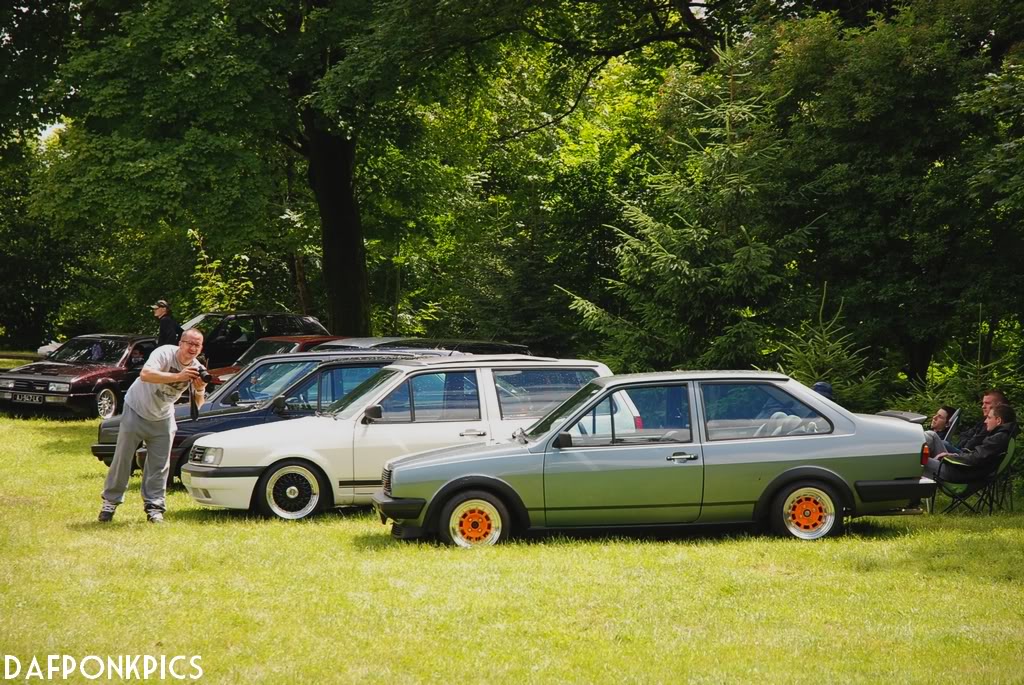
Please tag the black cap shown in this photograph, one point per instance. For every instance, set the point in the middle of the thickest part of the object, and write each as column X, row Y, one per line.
column 160, row 303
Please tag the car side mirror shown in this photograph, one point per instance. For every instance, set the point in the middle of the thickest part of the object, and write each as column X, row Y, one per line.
column 234, row 398
column 373, row 413
column 562, row 440
column 279, row 404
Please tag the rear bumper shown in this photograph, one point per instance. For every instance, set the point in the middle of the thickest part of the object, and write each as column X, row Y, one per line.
column 904, row 489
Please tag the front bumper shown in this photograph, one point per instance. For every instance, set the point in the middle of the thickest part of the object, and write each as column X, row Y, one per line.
column 905, row 489
column 397, row 509
column 229, row 487
column 46, row 400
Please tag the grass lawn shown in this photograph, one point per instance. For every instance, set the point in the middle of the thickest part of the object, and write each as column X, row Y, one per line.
column 916, row 599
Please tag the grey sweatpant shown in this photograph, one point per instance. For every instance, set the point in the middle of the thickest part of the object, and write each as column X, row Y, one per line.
column 157, row 436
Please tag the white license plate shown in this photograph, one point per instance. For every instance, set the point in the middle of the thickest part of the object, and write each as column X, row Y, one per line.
column 31, row 399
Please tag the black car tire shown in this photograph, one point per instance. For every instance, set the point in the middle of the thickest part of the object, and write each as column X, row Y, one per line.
column 105, row 403
column 474, row 518
column 807, row 510
column 292, row 489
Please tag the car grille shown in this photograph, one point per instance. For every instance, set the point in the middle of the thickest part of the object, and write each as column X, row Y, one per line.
column 196, row 453
column 24, row 384
column 385, row 478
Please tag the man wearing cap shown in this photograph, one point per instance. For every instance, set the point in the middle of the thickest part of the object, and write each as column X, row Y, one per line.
column 170, row 331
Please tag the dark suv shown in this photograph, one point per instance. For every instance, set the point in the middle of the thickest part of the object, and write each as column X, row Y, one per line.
column 226, row 335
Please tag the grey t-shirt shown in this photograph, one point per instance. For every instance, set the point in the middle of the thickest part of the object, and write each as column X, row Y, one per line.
column 155, row 401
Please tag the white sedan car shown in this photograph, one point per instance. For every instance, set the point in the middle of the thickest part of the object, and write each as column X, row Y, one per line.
column 293, row 469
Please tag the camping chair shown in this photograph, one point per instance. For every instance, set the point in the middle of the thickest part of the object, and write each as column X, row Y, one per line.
column 982, row 494
column 1009, row 471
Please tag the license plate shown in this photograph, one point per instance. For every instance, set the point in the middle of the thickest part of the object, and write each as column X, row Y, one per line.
column 186, row 478
column 31, row 399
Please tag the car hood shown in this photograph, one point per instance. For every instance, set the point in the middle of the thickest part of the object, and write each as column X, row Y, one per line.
column 461, row 453
column 311, row 432
column 58, row 371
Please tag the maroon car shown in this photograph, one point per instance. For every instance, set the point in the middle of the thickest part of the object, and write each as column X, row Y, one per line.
column 88, row 375
column 278, row 344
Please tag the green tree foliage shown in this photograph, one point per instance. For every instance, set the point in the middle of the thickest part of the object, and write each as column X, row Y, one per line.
column 699, row 268
column 824, row 350
column 877, row 146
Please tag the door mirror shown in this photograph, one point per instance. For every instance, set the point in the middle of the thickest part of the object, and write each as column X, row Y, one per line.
column 562, row 440
column 233, row 398
column 279, row 404
column 373, row 413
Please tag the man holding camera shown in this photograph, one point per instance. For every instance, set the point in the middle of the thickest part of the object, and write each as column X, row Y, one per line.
column 149, row 416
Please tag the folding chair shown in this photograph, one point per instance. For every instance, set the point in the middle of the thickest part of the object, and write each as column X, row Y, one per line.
column 1009, row 471
column 982, row 494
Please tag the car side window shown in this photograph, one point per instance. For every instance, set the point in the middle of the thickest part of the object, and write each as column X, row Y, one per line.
column 429, row 397
column 305, row 396
column 529, row 393
column 639, row 416
column 338, row 382
column 757, row 410
column 239, row 329
column 280, row 324
column 139, row 354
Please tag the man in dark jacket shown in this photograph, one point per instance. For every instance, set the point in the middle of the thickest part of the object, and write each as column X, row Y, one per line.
column 981, row 461
column 170, row 331
column 974, row 436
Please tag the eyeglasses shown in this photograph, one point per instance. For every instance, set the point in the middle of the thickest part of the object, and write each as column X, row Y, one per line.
column 196, row 345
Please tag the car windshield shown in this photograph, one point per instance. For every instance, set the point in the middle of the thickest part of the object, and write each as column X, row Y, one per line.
column 205, row 323
column 348, row 405
column 267, row 380
column 261, row 348
column 563, row 411
column 90, row 351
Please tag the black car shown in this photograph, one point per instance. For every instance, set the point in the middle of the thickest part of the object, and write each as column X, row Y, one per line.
column 272, row 388
column 226, row 335
column 87, row 375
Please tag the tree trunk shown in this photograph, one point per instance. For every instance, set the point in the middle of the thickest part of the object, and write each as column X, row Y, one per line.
column 331, row 177
column 301, row 286
column 919, row 356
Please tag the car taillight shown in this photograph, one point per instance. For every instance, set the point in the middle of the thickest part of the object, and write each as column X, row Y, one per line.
column 638, row 423
column 925, row 454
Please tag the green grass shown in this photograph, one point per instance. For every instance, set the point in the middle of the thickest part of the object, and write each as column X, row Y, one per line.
column 914, row 599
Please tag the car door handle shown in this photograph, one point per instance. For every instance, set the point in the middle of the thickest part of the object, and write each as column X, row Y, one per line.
column 682, row 456
column 473, row 433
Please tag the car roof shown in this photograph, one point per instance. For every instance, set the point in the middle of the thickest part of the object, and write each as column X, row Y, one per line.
column 125, row 337
column 697, row 375
column 360, row 342
column 493, row 360
column 338, row 354
column 299, row 338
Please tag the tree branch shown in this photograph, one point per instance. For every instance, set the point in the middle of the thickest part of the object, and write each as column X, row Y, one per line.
column 554, row 120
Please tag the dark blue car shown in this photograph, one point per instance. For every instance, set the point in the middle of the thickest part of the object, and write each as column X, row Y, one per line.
column 304, row 381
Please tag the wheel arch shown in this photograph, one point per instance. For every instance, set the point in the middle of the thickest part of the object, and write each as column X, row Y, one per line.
column 499, row 488
column 800, row 473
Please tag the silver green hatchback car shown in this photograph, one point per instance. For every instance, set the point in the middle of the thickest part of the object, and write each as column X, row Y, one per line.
column 664, row 449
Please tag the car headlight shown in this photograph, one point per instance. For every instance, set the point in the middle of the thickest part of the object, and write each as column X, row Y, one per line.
column 59, row 387
column 7, row 383
column 213, row 455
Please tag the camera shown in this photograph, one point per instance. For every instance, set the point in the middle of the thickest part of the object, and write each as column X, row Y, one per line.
column 205, row 375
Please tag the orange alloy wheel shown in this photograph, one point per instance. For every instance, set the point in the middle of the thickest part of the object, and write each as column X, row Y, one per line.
column 475, row 525
column 807, row 513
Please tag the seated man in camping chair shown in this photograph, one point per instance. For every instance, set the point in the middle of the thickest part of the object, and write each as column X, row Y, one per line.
column 971, row 465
